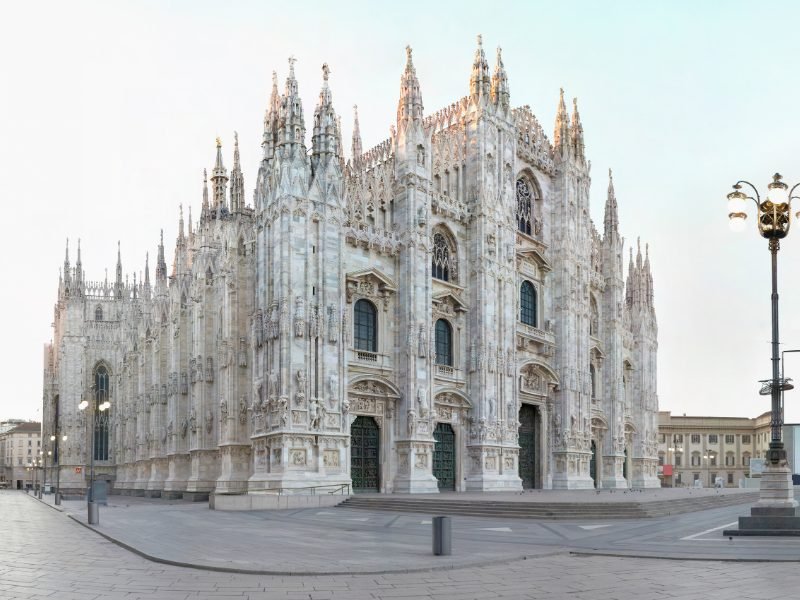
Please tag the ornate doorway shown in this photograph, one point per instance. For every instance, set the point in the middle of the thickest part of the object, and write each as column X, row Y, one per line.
column 527, row 446
column 444, row 456
column 365, row 455
column 593, row 464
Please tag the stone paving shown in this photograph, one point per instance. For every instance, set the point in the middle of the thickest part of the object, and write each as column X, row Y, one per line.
column 44, row 554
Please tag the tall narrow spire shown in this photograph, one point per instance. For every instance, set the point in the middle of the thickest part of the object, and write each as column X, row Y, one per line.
column 181, row 236
column 147, row 275
column 161, row 263
column 409, row 108
column 271, row 120
column 357, row 148
column 79, row 268
column 479, row 82
column 237, row 179
column 500, row 93
column 67, row 268
column 561, row 133
column 205, row 192
column 118, row 282
column 325, row 138
column 219, row 179
column 291, row 123
column 610, row 220
column 577, row 131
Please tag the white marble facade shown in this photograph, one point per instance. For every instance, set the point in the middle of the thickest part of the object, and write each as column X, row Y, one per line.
column 444, row 285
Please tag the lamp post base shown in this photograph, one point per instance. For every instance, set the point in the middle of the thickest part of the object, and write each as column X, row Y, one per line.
column 94, row 513
column 776, row 511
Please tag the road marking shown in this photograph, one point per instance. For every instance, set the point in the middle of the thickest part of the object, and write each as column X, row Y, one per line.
column 506, row 529
column 326, row 513
column 359, row 519
column 424, row 522
column 696, row 535
column 593, row 526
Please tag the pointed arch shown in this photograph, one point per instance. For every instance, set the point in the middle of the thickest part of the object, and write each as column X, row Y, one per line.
column 444, row 255
column 528, row 197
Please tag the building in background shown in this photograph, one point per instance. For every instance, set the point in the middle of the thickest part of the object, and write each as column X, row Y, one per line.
column 436, row 313
column 704, row 448
column 20, row 445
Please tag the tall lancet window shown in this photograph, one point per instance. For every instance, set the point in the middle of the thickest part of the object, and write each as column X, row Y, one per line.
column 98, row 313
column 443, row 258
column 444, row 343
column 101, row 394
column 365, row 326
column 524, row 207
column 527, row 304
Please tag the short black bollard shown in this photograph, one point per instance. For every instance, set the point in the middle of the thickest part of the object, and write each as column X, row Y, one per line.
column 94, row 513
column 442, row 536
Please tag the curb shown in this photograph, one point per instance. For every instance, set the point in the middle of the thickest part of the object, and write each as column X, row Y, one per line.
column 587, row 553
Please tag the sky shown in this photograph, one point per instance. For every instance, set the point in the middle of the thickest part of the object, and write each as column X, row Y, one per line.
column 109, row 112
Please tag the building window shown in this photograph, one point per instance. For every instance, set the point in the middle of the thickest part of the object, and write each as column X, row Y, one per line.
column 101, row 394
column 678, row 479
column 677, row 438
column 661, row 438
column 524, row 207
column 593, row 378
column 443, row 263
column 729, row 439
column 713, row 460
column 696, row 476
column 678, row 460
column 746, row 460
column 713, row 479
column 695, row 460
column 661, row 459
column 365, row 330
column 695, row 438
column 730, row 460
column 98, row 313
column 444, row 343
column 527, row 304
column 730, row 478
column 594, row 318
column 745, row 439
column 712, row 438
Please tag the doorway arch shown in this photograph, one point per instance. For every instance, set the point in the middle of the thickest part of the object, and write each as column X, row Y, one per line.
column 365, row 466
column 444, row 456
column 528, row 439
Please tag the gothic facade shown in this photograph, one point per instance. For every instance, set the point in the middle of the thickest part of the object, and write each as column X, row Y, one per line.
column 438, row 312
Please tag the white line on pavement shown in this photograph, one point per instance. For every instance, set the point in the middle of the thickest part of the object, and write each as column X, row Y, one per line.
column 593, row 526
column 505, row 529
column 696, row 535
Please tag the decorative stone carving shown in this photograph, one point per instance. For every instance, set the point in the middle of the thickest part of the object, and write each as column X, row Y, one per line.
column 299, row 316
column 209, row 420
column 242, row 411
column 300, row 396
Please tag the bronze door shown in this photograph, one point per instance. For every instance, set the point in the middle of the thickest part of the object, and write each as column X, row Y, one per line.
column 365, row 454
column 444, row 456
column 527, row 446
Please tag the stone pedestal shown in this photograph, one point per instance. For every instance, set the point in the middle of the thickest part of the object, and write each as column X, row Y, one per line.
column 572, row 471
column 414, row 464
column 175, row 483
column 235, row 466
column 493, row 469
column 775, row 514
column 613, row 468
column 159, row 470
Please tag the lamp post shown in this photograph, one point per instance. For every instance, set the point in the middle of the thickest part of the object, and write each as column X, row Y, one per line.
column 97, row 407
column 57, row 459
column 710, row 457
column 776, row 499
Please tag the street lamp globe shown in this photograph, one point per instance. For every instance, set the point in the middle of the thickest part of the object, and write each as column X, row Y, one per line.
column 52, row 438
column 83, row 404
column 778, row 191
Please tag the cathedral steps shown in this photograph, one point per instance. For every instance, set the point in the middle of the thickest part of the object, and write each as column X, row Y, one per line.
column 548, row 510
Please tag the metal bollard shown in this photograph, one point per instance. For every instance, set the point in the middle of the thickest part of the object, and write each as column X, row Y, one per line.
column 94, row 513
column 442, row 536
column 58, row 499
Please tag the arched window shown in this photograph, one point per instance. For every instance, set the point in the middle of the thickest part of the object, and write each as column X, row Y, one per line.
column 443, row 259
column 365, row 326
column 444, row 343
column 209, row 276
column 527, row 304
column 524, row 207
column 593, row 377
column 98, row 313
column 594, row 320
column 101, row 394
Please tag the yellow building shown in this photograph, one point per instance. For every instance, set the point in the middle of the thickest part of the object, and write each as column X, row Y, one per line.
column 706, row 448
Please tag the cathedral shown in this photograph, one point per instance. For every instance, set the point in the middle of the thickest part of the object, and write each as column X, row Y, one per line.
column 437, row 313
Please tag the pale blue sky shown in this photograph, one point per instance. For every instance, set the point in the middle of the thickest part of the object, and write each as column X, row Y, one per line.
column 109, row 110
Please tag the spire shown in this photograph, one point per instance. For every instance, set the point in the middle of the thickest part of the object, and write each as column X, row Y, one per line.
column 190, row 230
column 639, row 254
column 324, row 141
column 611, row 221
column 291, row 124
column 147, row 275
column 181, row 236
column 78, row 268
column 118, row 283
column 219, row 179
column 409, row 108
column 577, row 131
column 161, row 264
column 479, row 83
column 237, row 179
column 271, row 120
column 205, row 194
column 648, row 276
column 67, row 269
column 561, row 134
column 500, row 92
column 357, row 148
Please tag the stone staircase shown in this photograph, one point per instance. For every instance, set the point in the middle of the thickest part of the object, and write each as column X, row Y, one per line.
column 548, row 510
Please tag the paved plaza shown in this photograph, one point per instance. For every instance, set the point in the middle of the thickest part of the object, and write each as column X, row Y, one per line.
column 47, row 554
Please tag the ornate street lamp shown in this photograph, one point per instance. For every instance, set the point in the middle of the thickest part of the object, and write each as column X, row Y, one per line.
column 776, row 501
column 97, row 407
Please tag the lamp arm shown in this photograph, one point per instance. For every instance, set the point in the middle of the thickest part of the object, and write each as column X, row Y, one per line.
column 757, row 199
column 794, row 187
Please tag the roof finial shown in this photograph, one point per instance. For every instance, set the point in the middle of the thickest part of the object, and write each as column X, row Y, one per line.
column 325, row 72
column 292, row 60
column 409, row 61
